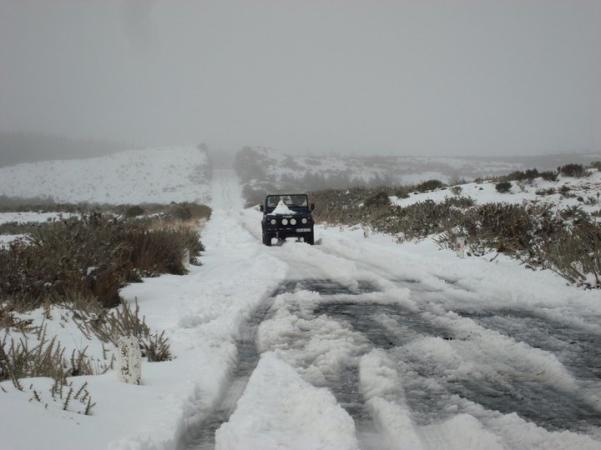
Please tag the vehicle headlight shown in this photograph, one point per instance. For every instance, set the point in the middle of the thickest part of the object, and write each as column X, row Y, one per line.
column 273, row 221
column 292, row 221
column 304, row 220
column 284, row 221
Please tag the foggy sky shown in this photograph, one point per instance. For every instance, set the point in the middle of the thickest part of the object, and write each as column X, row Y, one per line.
column 408, row 76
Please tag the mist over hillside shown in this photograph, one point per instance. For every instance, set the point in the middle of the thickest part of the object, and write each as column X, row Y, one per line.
column 17, row 147
column 264, row 170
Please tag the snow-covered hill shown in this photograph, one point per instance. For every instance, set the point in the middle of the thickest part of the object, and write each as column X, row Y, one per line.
column 562, row 193
column 137, row 176
column 260, row 164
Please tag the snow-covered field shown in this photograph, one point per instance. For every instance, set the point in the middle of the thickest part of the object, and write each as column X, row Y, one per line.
column 33, row 217
column 137, row 176
column 357, row 342
column 584, row 192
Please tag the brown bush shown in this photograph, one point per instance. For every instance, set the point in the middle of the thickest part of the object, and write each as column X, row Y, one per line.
column 522, row 175
column 125, row 320
column 46, row 359
column 549, row 175
column 575, row 253
column 92, row 256
column 573, row 170
column 189, row 211
column 429, row 185
column 378, row 200
column 134, row 211
column 503, row 187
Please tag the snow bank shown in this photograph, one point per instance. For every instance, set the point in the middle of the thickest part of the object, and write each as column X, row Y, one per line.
column 279, row 410
column 474, row 282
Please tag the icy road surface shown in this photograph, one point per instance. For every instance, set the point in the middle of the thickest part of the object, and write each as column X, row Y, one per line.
column 373, row 345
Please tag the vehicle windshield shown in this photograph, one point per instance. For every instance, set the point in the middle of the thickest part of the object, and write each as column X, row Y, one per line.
column 291, row 201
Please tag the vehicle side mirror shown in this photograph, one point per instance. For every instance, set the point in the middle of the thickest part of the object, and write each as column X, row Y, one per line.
column 261, row 208
column 312, row 206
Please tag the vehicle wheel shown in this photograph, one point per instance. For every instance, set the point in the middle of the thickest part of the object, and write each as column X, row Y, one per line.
column 310, row 238
column 267, row 239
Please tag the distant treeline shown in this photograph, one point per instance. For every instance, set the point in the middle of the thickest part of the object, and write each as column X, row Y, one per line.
column 18, row 148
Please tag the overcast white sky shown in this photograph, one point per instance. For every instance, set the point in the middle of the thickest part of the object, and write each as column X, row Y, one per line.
column 415, row 77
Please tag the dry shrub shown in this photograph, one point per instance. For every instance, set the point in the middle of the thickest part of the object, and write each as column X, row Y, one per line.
column 156, row 347
column 92, row 256
column 19, row 228
column 429, row 185
column 503, row 187
column 378, row 200
column 189, row 211
column 110, row 325
column 549, row 175
column 158, row 251
column 46, row 359
column 134, row 211
column 8, row 319
column 573, row 170
column 19, row 360
column 456, row 190
column 522, row 175
column 549, row 191
column 575, row 253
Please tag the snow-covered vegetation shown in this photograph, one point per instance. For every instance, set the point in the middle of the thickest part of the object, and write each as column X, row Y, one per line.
column 548, row 220
column 560, row 192
column 164, row 175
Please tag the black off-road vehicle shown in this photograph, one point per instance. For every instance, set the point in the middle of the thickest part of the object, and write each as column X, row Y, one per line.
column 287, row 215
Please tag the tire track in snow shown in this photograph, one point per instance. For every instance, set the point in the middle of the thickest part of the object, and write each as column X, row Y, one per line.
column 430, row 392
column 429, row 395
column 202, row 436
column 391, row 326
column 577, row 349
column 345, row 383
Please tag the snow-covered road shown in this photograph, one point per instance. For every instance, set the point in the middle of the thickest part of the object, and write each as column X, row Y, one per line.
column 362, row 343
column 355, row 343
